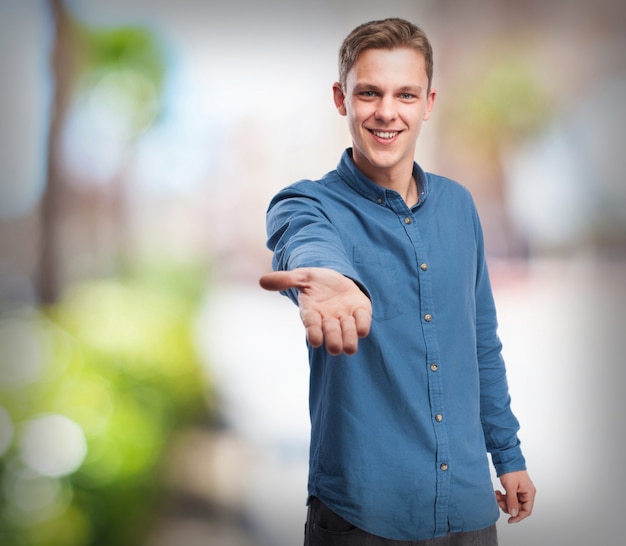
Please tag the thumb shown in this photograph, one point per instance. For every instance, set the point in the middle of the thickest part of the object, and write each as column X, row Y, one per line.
column 278, row 280
column 512, row 502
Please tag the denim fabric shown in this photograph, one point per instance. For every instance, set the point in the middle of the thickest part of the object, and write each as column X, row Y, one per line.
column 400, row 431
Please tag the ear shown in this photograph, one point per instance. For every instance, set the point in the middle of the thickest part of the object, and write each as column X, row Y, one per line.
column 430, row 103
column 339, row 98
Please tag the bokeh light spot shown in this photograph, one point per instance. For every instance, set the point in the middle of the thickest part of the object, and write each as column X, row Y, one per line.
column 21, row 360
column 53, row 445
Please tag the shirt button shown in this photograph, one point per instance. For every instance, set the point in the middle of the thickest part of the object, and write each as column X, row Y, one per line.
column 424, row 267
column 407, row 220
column 434, row 367
column 379, row 200
column 428, row 317
column 443, row 466
column 439, row 418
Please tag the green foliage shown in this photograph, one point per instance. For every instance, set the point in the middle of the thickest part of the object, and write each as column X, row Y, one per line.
column 122, row 47
column 508, row 101
column 123, row 70
column 118, row 359
column 500, row 103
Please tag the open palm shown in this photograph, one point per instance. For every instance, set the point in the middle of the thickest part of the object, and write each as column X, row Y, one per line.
column 333, row 309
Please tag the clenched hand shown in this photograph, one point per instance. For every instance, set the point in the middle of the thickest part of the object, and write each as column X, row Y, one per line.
column 518, row 497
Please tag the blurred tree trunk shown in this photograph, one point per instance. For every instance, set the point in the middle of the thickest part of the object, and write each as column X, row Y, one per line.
column 62, row 66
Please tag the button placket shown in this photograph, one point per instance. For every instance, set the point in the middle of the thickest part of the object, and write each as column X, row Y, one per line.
column 434, row 378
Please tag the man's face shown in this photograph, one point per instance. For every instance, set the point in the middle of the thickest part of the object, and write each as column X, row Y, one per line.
column 385, row 99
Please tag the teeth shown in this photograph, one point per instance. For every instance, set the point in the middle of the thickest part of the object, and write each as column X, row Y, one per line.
column 383, row 134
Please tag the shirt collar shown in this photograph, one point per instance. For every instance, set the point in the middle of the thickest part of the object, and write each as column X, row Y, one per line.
column 350, row 173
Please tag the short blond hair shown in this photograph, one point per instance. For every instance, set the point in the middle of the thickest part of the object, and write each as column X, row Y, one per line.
column 389, row 33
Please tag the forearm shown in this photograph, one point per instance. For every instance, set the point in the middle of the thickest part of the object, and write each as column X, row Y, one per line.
column 301, row 235
column 499, row 423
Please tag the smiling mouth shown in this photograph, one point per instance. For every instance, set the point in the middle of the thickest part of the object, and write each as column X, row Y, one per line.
column 385, row 135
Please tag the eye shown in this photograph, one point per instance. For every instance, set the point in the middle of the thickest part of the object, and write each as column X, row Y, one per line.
column 407, row 96
column 368, row 94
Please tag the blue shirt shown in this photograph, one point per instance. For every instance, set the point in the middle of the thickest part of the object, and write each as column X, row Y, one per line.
column 400, row 431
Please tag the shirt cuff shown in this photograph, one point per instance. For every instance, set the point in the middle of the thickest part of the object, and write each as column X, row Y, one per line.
column 508, row 460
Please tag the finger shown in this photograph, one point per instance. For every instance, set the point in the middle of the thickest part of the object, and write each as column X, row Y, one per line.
column 313, row 325
column 363, row 321
column 512, row 508
column 350, row 338
column 503, row 503
column 523, row 514
column 512, row 504
column 333, row 338
column 501, row 500
column 526, row 506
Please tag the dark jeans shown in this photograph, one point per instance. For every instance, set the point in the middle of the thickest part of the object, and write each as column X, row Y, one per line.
column 325, row 528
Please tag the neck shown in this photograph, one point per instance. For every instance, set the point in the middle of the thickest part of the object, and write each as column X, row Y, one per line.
column 411, row 197
column 398, row 178
column 403, row 183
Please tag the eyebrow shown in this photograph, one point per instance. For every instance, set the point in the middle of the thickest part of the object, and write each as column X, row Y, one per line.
column 414, row 89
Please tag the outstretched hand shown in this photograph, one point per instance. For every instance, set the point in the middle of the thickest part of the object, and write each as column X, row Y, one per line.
column 519, row 495
column 333, row 309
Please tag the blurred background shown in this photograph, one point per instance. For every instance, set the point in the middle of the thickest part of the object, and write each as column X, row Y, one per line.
column 150, row 393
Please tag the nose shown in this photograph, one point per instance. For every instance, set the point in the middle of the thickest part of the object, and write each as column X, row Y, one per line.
column 386, row 109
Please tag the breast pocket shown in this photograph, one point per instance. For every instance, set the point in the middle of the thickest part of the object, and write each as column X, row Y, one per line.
column 378, row 270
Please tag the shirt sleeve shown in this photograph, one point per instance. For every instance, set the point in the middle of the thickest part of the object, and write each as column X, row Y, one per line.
column 302, row 234
column 500, row 425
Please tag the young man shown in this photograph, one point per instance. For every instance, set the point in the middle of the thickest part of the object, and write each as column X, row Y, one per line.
column 408, row 389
